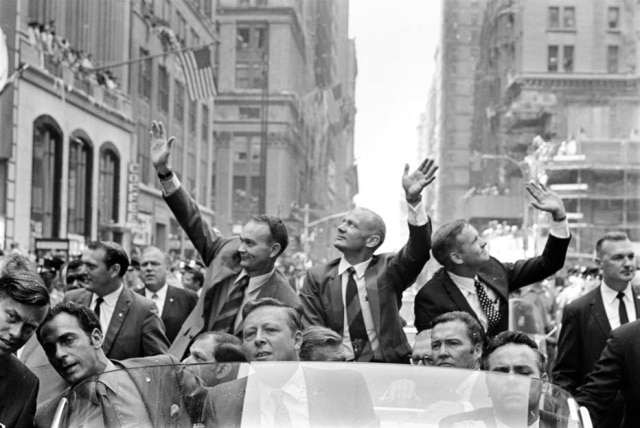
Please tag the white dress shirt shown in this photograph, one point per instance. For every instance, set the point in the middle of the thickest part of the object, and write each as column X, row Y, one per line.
column 612, row 305
column 107, row 307
column 160, row 299
column 251, row 293
column 294, row 398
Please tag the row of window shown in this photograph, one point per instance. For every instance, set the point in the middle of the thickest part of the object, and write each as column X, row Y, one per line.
column 564, row 18
column 561, row 58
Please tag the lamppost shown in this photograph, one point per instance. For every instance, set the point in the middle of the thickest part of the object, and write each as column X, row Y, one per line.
column 525, row 172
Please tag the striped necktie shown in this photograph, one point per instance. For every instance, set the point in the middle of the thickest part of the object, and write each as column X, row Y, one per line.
column 231, row 307
column 362, row 350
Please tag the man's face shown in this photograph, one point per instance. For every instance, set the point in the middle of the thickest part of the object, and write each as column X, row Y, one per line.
column 422, row 354
column 268, row 337
column 71, row 351
column 329, row 353
column 100, row 279
column 257, row 249
column 451, row 346
column 75, row 278
column 472, row 249
column 353, row 231
column 201, row 351
column 514, row 396
column 188, row 282
column 17, row 323
column 618, row 263
column 154, row 269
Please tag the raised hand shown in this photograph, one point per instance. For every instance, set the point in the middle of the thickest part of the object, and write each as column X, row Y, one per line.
column 546, row 200
column 414, row 183
column 160, row 147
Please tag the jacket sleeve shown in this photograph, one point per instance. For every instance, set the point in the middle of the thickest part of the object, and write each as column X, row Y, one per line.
column 405, row 266
column 312, row 311
column 565, row 371
column 154, row 339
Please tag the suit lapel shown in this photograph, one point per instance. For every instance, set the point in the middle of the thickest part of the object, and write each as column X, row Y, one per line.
column 598, row 312
column 636, row 302
column 500, row 291
column 373, row 295
column 456, row 295
column 169, row 301
column 117, row 319
column 228, row 270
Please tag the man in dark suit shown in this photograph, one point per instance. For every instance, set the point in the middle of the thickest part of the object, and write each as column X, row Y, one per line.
column 150, row 391
column 359, row 295
column 616, row 372
column 472, row 281
column 173, row 303
column 286, row 395
column 24, row 302
column 133, row 327
column 238, row 269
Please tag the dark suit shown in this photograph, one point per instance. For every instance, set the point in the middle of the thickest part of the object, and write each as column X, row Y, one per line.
column 441, row 295
column 135, row 329
column 486, row 416
column 169, row 392
column 616, row 370
column 584, row 333
column 335, row 398
column 223, row 266
column 177, row 306
column 18, row 392
column 386, row 278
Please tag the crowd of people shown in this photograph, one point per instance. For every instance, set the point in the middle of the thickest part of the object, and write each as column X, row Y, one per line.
column 120, row 312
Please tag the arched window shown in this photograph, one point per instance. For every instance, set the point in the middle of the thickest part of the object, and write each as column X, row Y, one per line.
column 80, row 172
column 46, row 178
column 108, row 185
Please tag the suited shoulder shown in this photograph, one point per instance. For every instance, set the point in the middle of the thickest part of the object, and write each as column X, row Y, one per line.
column 319, row 271
column 75, row 295
column 583, row 300
column 439, row 279
column 183, row 292
column 628, row 333
column 155, row 360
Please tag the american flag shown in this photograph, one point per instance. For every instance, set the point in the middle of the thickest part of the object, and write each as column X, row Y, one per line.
column 198, row 73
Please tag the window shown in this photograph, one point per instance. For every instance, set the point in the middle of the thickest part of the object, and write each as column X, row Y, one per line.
column 249, row 112
column 79, row 204
column 569, row 17
column 613, row 18
column 208, row 11
column 612, row 59
column 251, row 46
column 554, row 17
column 144, row 78
column 108, row 186
column 163, row 88
column 192, row 116
column 205, row 122
column 178, row 106
column 144, row 148
column 552, row 64
column 195, row 39
column 567, row 58
column 203, row 181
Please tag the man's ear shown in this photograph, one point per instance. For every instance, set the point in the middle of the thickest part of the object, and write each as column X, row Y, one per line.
column 275, row 250
column 544, row 377
column 222, row 370
column 373, row 241
column 456, row 258
column 114, row 270
column 96, row 338
column 297, row 338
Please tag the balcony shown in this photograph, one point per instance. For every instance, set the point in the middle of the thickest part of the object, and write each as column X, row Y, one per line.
column 599, row 154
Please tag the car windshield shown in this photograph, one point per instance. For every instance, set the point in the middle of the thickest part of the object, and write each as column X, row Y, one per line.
column 322, row 395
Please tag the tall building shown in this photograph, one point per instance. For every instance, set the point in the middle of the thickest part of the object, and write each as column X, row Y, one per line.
column 446, row 130
column 557, row 99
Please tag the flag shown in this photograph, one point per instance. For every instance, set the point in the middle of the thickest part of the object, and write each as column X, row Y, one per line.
column 198, row 73
column 334, row 96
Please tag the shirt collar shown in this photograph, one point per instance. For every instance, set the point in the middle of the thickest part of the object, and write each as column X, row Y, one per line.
column 109, row 299
column 110, row 377
column 162, row 292
column 466, row 283
column 255, row 282
column 360, row 268
column 295, row 386
column 609, row 295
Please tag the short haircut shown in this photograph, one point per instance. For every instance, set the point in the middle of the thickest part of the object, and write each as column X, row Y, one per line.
column 315, row 337
column 113, row 254
column 517, row 338
column 165, row 257
column 87, row 319
column 24, row 286
column 227, row 347
column 610, row 236
column 293, row 317
column 277, row 229
column 13, row 262
column 445, row 240
column 474, row 328
column 198, row 276
column 74, row 264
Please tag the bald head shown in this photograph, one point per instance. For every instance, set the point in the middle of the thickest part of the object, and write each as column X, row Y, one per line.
column 360, row 233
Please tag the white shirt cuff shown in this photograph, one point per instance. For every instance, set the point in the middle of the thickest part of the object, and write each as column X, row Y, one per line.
column 416, row 215
column 559, row 229
column 170, row 185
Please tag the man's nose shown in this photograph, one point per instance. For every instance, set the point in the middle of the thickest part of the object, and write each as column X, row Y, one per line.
column 15, row 330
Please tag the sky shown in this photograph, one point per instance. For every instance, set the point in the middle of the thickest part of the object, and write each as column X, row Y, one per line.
column 395, row 47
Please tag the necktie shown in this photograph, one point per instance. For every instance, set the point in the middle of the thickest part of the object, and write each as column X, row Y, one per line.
column 109, row 414
column 281, row 416
column 156, row 300
column 96, row 309
column 359, row 339
column 622, row 309
column 493, row 316
column 231, row 307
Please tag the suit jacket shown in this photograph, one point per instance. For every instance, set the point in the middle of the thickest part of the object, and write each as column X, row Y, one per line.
column 485, row 415
column 616, row 370
column 135, row 329
column 584, row 333
column 177, row 306
column 18, row 392
column 386, row 278
column 171, row 394
column 223, row 265
column 440, row 294
column 336, row 398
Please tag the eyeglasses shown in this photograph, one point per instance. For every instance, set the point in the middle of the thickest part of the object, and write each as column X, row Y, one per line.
column 421, row 360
